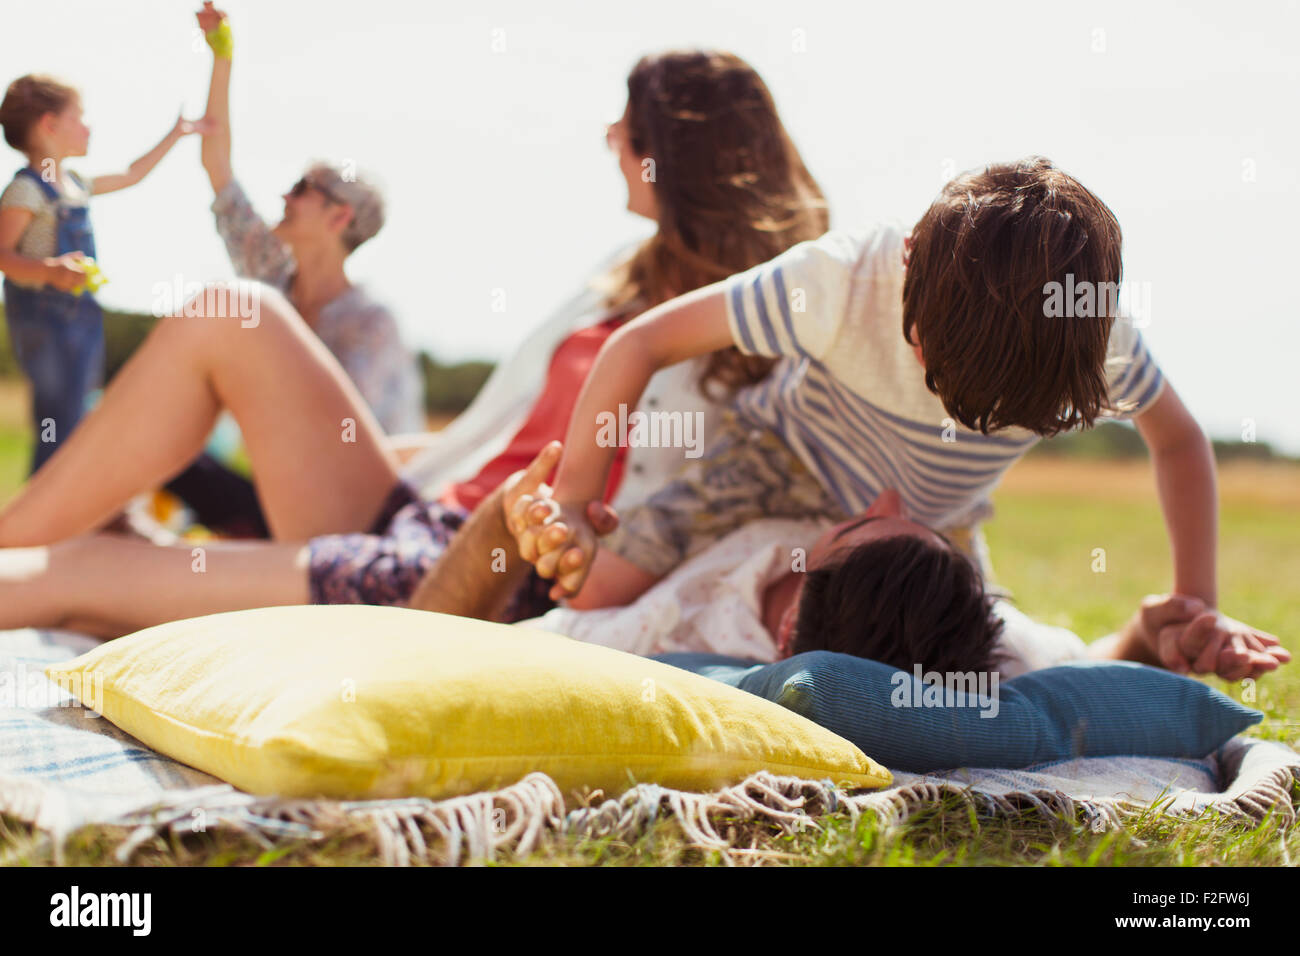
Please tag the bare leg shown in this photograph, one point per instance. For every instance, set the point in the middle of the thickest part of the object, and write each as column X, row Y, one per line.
column 110, row 585
column 320, row 458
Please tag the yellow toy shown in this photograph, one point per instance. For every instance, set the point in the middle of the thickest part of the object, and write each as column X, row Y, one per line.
column 95, row 278
column 222, row 41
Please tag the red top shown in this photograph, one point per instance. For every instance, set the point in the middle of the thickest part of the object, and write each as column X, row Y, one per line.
column 548, row 420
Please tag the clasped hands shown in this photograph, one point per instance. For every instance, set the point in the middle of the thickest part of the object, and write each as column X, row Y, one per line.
column 1182, row 633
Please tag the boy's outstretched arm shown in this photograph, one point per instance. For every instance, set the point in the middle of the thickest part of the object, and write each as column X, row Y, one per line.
column 145, row 164
column 1185, row 481
column 690, row 325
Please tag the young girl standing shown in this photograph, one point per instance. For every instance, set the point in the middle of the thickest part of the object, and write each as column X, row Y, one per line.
column 55, row 324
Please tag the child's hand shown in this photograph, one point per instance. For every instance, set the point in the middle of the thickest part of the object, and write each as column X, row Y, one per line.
column 202, row 126
column 558, row 539
column 1187, row 636
column 65, row 272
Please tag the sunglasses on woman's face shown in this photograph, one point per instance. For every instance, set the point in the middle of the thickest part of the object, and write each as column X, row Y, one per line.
column 300, row 188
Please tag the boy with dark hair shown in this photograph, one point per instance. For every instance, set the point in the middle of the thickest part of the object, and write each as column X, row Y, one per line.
column 932, row 381
column 978, row 266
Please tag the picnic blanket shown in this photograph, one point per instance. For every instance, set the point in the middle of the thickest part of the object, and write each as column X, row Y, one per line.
column 62, row 767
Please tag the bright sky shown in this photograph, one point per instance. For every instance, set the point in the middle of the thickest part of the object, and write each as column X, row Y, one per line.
column 485, row 123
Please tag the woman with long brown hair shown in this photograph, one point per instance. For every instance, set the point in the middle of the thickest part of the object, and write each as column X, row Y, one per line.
column 704, row 155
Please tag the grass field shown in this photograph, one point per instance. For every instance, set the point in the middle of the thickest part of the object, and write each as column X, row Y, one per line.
column 1052, row 514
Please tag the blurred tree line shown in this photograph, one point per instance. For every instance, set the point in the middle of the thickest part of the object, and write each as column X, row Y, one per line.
column 1112, row 440
column 448, row 389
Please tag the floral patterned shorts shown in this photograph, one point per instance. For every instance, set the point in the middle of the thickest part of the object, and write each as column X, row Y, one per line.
column 385, row 565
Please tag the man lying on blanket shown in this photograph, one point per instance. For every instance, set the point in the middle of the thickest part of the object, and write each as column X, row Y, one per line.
column 878, row 586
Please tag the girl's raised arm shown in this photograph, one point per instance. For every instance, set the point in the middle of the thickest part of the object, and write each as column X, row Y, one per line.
column 143, row 166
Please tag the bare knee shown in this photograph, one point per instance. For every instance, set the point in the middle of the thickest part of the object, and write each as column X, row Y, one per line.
column 222, row 319
column 237, row 304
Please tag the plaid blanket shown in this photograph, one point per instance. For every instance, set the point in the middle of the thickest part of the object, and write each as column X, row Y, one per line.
column 62, row 767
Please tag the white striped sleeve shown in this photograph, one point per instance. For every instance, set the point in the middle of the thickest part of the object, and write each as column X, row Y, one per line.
column 1133, row 378
column 794, row 304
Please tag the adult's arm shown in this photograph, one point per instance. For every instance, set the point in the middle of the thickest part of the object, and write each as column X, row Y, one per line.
column 480, row 570
column 215, row 152
column 254, row 251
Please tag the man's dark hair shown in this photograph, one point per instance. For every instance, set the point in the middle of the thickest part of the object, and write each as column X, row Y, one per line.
column 902, row 600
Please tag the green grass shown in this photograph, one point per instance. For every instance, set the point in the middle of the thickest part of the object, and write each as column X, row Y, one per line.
column 1043, row 541
column 1042, row 546
column 1051, row 515
column 15, row 456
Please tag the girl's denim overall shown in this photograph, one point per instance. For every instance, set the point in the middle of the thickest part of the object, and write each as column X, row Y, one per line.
column 58, row 338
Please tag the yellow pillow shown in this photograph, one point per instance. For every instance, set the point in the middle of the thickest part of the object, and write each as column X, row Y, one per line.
column 357, row 702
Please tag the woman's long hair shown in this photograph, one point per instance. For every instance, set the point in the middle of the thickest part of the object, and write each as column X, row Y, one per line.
column 731, row 189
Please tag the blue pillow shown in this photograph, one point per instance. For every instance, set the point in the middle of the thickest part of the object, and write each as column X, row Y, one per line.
column 1080, row 709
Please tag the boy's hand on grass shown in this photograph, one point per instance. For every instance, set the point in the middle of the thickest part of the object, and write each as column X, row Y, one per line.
column 1188, row 636
column 557, row 538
